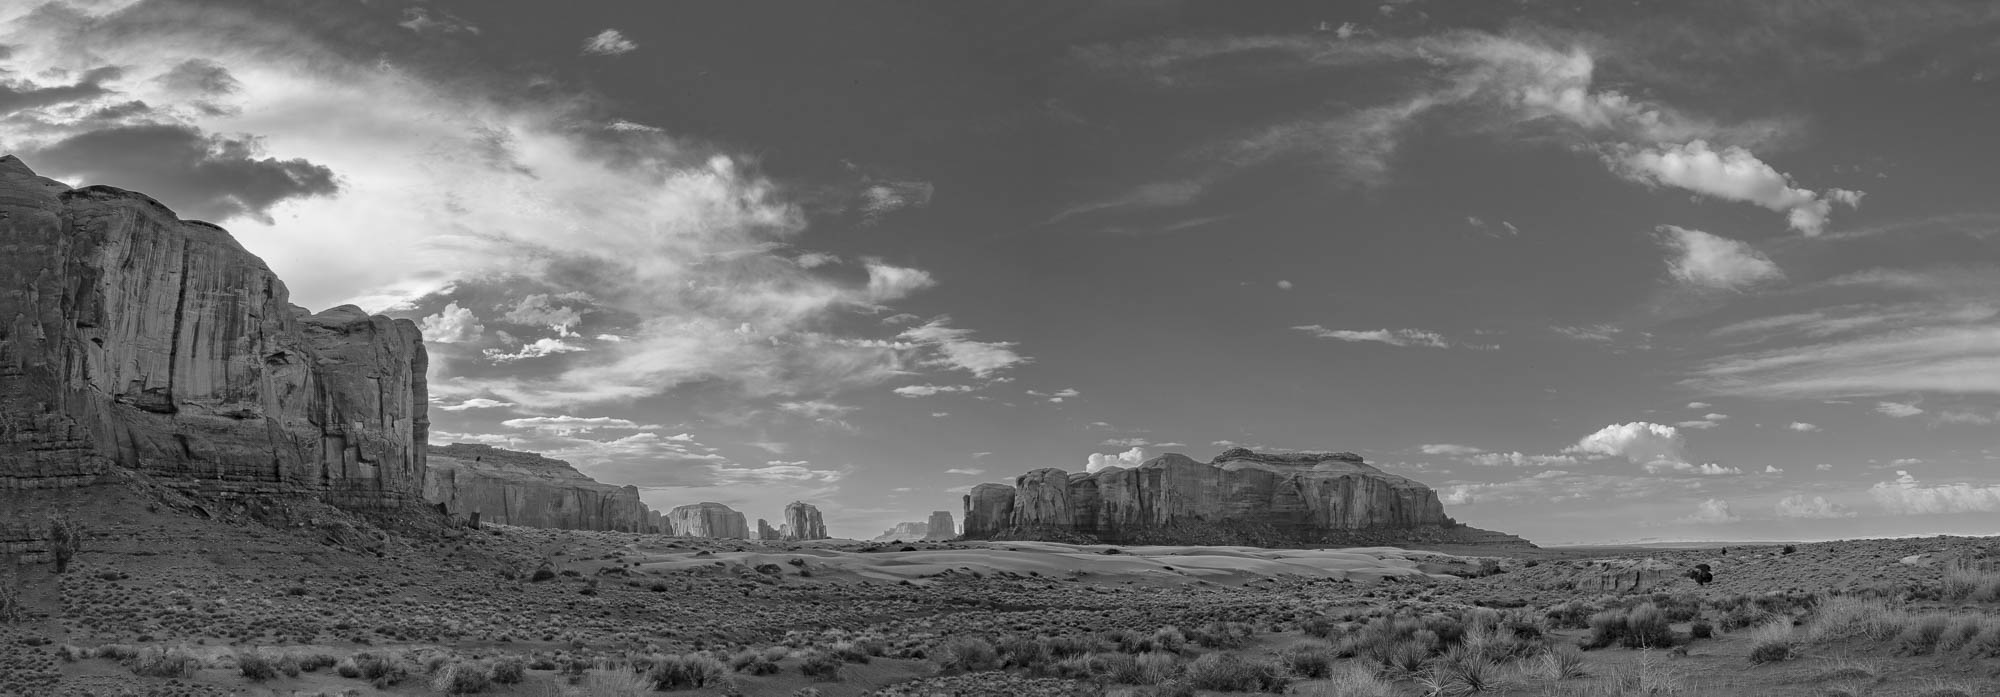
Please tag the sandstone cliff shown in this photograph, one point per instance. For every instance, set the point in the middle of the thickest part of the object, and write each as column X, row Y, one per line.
column 765, row 531
column 906, row 532
column 940, row 526
column 803, row 521
column 708, row 519
column 1241, row 497
column 131, row 337
column 517, row 488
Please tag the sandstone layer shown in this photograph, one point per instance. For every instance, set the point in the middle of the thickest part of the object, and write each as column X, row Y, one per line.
column 906, row 532
column 1239, row 498
column 708, row 519
column 803, row 522
column 130, row 337
column 517, row 488
column 765, row 531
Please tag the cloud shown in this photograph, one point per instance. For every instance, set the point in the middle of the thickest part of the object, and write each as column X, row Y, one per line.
column 20, row 95
column 886, row 282
column 574, row 424
column 199, row 76
column 1773, row 469
column 1803, row 427
column 1817, row 507
column 1710, row 261
column 1517, row 459
column 209, row 177
column 1967, row 416
column 1907, row 496
column 928, row 390
column 819, row 411
column 1641, row 442
column 1127, row 442
column 540, row 310
column 1710, row 512
column 970, row 472
column 1448, row 449
column 1699, row 405
column 1392, row 337
column 1130, row 458
column 1823, row 467
column 1948, row 343
column 1707, row 421
column 452, row 325
column 883, row 198
column 1284, row 284
column 476, row 403
column 1898, row 410
column 955, row 350
column 608, row 43
column 535, row 349
column 1732, row 174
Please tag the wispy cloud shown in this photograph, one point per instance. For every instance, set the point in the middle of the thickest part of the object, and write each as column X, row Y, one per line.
column 1731, row 174
column 1712, row 261
column 609, row 42
column 1393, row 337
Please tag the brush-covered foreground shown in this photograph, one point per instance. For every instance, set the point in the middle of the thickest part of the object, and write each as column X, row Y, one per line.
column 169, row 596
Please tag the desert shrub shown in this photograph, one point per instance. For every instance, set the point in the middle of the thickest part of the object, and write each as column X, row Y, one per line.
column 314, row 662
column 1606, row 628
column 1770, row 651
column 1789, row 549
column 1156, row 667
column 1461, row 672
column 379, row 670
column 1573, row 614
column 1448, row 629
column 462, row 678
column 65, row 539
column 542, row 573
column 1018, row 651
column 1169, row 638
column 678, row 671
column 1407, row 657
column 1222, row 635
column 1232, row 673
column 1320, row 627
column 1308, row 660
column 163, row 663
column 1646, row 627
column 1960, row 634
column 1377, row 638
column 753, row 662
column 1965, row 580
column 1068, row 646
column 1116, row 667
column 821, row 666
column 1701, row 629
column 510, row 670
column 1560, row 663
column 256, row 666
column 1350, row 681
column 1921, row 634
column 1678, row 608
column 968, row 654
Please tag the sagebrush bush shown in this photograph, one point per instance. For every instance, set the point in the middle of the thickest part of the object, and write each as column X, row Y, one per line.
column 1771, row 651
column 753, row 662
column 1157, row 667
column 966, row 654
column 256, row 666
column 686, row 670
column 1701, row 629
column 1232, row 673
column 1312, row 660
column 821, row 666
column 508, row 670
column 1561, row 663
column 462, row 678
column 1643, row 626
column 163, row 663
column 1921, row 634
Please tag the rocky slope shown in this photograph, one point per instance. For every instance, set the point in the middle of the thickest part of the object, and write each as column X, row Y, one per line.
column 707, row 519
column 1241, row 497
column 803, row 522
column 906, row 532
column 517, row 488
column 131, row 337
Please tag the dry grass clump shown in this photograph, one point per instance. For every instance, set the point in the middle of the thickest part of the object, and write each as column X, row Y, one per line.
column 966, row 654
column 1461, row 672
column 1232, row 673
column 1309, row 659
column 687, row 670
column 257, row 667
column 1773, row 641
column 162, row 663
column 1641, row 627
column 1967, row 580
column 1562, row 662
column 1351, row 680
column 821, row 666
column 756, row 662
column 462, row 678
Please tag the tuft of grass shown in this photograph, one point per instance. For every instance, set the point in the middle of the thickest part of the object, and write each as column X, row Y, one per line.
column 462, row 678
column 1561, row 663
column 1156, row 667
column 1922, row 633
column 256, row 666
column 1460, row 672
column 1232, row 673
column 1312, row 659
column 821, row 666
column 163, row 663
column 1351, row 680
column 687, row 670
column 966, row 654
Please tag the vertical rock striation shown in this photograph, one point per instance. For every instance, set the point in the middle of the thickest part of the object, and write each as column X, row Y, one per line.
column 129, row 337
column 803, row 521
column 708, row 519
column 940, row 526
column 1241, row 497
column 517, row 488
column 765, row 531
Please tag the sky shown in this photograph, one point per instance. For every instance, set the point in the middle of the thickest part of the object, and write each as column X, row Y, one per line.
column 1596, row 272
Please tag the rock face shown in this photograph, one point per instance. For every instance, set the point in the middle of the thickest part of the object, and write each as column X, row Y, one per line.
column 708, row 519
column 905, row 531
column 1241, row 497
column 517, row 488
column 131, row 337
column 940, row 526
column 803, row 522
column 765, row 531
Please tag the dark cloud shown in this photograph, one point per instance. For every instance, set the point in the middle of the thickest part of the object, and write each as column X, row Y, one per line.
column 200, row 76
column 209, row 177
column 26, row 95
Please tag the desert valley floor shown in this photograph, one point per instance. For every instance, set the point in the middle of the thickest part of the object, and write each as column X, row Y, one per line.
column 174, row 596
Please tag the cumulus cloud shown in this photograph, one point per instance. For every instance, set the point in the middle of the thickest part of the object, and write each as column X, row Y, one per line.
column 887, row 282
column 1392, row 337
column 576, row 424
column 609, row 42
column 1130, row 458
column 1907, row 496
column 1710, row 261
column 1710, row 512
column 1900, row 410
column 476, row 403
column 1732, row 174
column 1816, row 507
column 452, row 325
column 559, row 314
column 1641, row 442
column 1773, row 469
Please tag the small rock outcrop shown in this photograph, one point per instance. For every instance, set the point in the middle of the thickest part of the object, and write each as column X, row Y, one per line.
column 130, row 337
column 765, row 531
column 527, row 489
column 906, row 532
column 803, row 522
column 940, row 526
column 708, row 519
column 1239, row 498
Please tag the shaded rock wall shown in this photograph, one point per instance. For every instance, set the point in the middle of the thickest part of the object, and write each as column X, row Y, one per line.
column 1241, row 497
column 517, row 488
column 708, row 519
column 940, row 526
column 131, row 337
column 803, row 522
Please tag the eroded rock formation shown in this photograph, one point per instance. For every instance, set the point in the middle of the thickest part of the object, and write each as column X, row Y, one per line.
column 708, row 519
column 765, row 531
column 906, row 532
column 940, row 526
column 517, row 488
column 131, row 337
column 1241, row 497
column 803, row 522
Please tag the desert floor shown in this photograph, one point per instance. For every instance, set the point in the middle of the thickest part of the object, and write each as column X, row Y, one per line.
column 169, row 596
